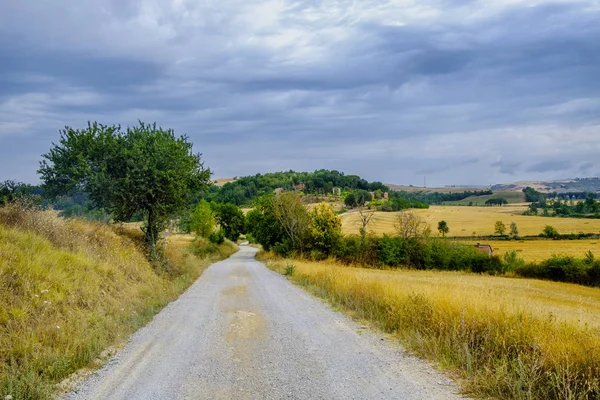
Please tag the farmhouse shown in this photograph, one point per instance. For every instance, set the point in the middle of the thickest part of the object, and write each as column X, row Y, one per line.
column 486, row 248
column 300, row 186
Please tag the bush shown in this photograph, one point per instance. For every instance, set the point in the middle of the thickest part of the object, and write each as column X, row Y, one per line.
column 358, row 250
column 217, row 237
column 584, row 271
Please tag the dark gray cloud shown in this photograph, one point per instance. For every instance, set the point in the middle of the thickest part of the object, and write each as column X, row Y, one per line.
column 385, row 90
column 546, row 166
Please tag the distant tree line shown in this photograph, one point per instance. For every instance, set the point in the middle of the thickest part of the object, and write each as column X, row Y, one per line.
column 439, row 198
column 577, row 205
column 245, row 190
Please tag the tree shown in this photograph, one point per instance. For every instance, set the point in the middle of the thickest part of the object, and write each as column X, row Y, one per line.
column 202, row 220
column 357, row 198
column 350, row 200
column 13, row 191
column 443, row 228
column 500, row 201
column 366, row 214
column 325, row 229
column 262, row 224
column 550, row 232
column 292, row 216
column 514, row 230
column 500, row 228
column 410, row 225
column 144, row 169
column 231, row 219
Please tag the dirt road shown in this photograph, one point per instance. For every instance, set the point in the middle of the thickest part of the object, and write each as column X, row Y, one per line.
column 244, row 332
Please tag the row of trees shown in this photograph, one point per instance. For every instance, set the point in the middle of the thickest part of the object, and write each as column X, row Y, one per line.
column 587, row 208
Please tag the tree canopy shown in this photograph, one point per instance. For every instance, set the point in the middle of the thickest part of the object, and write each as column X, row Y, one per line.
column 142, row 169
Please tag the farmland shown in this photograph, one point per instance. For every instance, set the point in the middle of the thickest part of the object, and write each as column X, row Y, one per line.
column 479, row 221
column 541, row 338
column 539, row 250
column 476, row 221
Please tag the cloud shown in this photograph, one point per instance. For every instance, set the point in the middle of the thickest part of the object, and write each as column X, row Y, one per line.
column 436, row 88
column 546, row 166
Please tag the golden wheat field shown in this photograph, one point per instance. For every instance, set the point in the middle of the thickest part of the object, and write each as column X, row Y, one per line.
column 505, row 337
column 476, row 221
column 480, row 221
column 538, row 250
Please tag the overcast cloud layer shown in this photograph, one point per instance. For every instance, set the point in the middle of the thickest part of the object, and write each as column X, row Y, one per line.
column 461, row 91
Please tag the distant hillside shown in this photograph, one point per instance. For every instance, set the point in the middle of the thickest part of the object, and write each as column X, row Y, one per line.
column 560, row 186
column 511, row 198
column 242, row 191
column 445, row 189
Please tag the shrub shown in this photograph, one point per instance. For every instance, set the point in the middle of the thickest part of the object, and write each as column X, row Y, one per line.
column 550, row 232
column 584, row 271
column 217, row 237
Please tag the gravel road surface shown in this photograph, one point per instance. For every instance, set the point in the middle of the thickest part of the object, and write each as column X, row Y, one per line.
column 244, row 332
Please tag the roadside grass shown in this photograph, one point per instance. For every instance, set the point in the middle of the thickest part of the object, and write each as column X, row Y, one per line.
column 475, row 221
column 504, row 338
column 71, row 289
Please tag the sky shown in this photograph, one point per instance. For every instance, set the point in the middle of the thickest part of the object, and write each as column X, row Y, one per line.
column 457, row 91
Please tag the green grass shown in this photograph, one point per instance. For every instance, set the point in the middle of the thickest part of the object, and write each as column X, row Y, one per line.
column 511, row 197
column 70, row 289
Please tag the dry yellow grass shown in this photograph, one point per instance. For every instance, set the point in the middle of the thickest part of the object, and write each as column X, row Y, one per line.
column 476, row 221
column 69, row 289
column 506, row 337
column 539, row 250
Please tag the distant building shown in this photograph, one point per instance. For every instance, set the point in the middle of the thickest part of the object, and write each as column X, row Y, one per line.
column 486, row 248
column 372, row 195
column 300, row 186
column 386, row 196
column 336, row 191
column 279, row 190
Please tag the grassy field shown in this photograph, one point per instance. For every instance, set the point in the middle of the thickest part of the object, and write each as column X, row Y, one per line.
column 510, row 196
column 502, row 337
column 70, row 289
column 539, row 250
column 476, row 221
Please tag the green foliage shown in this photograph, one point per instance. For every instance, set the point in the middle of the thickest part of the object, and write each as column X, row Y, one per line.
column 514, row 230
column 550, row 232
column 430, row 253
column 500, row 201
column 231, row 219
column 357, row 198
column 443, row 228
column 533, row 196
column 143, row 169
column 244, row 191
column 499, row 228
column 217, row 237
column 426, row 197
column 512, row 261
column 262, row 223
column 289, row 269
column 13, row 191
column 325, row 229
column 293, row 218
column 202, row 220
column 583, row 271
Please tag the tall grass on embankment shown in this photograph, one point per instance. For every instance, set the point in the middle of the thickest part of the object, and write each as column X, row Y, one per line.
column 70, row 289
column 502, row 337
